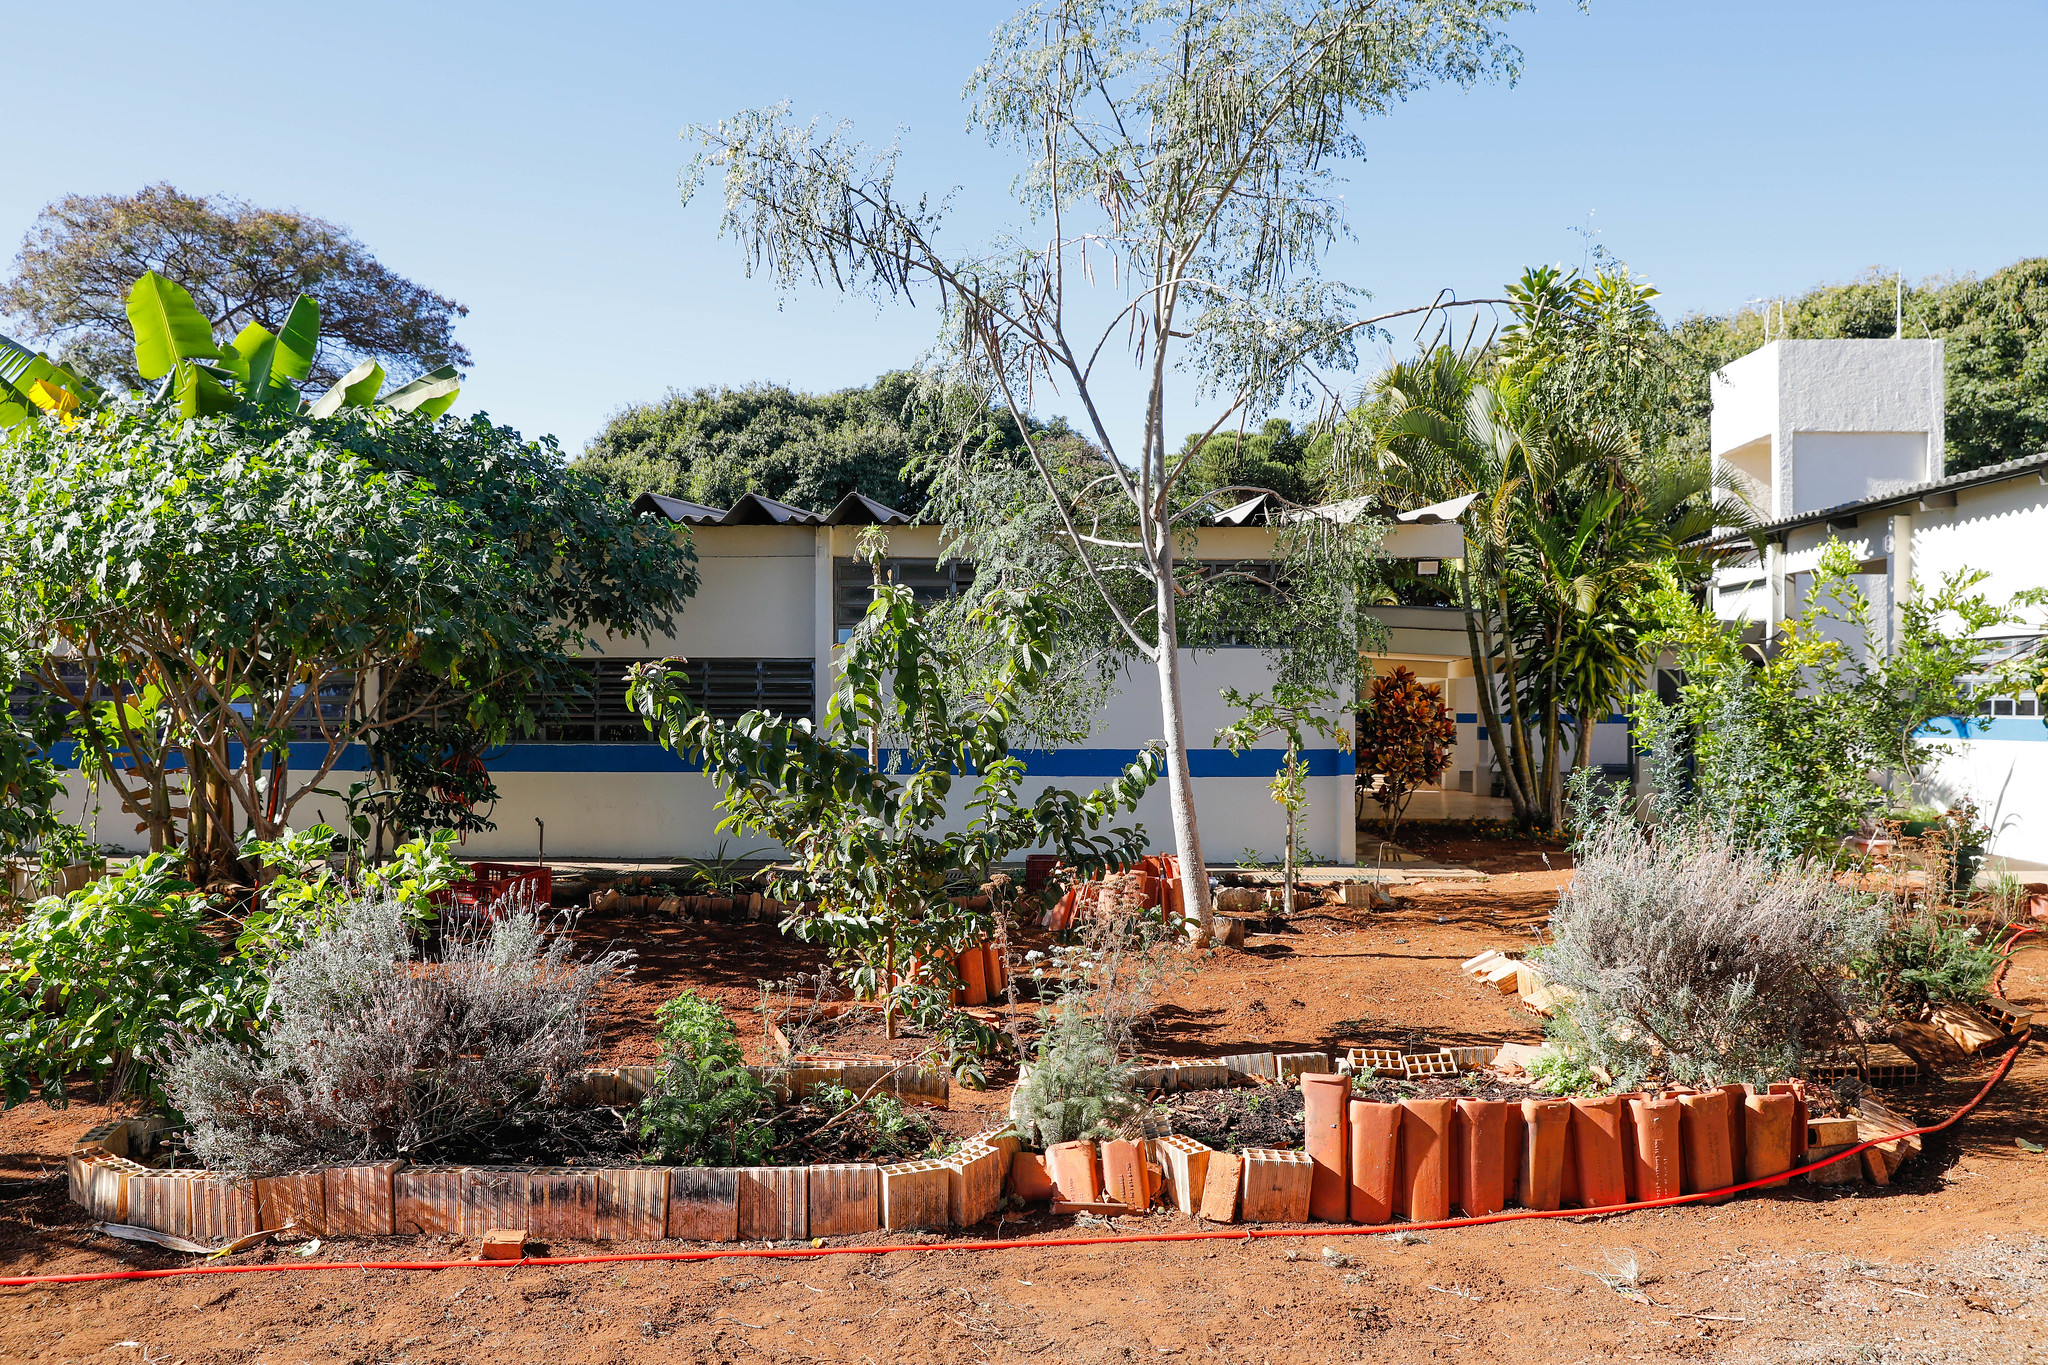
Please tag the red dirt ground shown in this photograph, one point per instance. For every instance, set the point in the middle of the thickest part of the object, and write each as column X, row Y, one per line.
column 1949, row 1265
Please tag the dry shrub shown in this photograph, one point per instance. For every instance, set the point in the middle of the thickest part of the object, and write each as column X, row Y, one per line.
column 1080, row 1083
column 1699, row 958
column 371, row 1050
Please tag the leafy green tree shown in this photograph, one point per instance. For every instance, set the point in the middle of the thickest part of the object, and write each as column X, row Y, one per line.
column 1277, row 458
column 1584, row 490
column 864, row 827
column 1293, row 711
column 246, row 568
column 1996, row 328
column 1187, row 154
column 712, row 446
column 1794, row 746
column 71, row 281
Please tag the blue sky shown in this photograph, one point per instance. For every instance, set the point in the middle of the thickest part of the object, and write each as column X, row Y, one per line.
column 523, row 159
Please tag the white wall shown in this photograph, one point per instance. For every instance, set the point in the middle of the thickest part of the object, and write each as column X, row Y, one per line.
column 1820, row 423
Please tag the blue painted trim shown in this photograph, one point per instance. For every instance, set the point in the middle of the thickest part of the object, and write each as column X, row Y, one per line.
column 304, row 757
column 2022, row 729
column 652, row 758
column 1468, row 718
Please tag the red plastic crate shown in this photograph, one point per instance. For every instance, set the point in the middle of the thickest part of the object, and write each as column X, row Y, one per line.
column 491, row 886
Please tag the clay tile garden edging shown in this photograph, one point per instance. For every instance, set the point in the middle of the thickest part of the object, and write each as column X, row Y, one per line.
column 1367, row 1163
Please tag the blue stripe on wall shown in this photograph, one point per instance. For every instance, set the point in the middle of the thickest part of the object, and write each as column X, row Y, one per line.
column 2022, row 728
column 652, row 758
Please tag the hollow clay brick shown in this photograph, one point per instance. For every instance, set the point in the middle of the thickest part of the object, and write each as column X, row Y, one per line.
column 76, row 1165
column 107, row 1188
column 1263, row 1064
column 1221, row 1188
column 561, row 1203
column 1292, row 1064
column 1277, row 1186
column 915, row 1194
column 704, row 1203
column 1737, row 1095
column 297, row 1201
column 1374, row 1160
column 1603, row 1165
column 1797, row 1090
column 161, row 1200
column 1074, row 1172
column 1545, row 1125
column 974, row 1183
column 1479, row 1143
column 493, row 1197
column 427, row 1200
column 359, row 1199
column 1186, row 1163
column 1659, row 1156
column 223, row 1209
column 1703, row 1135
column 632, row 1204
column 775, row 1203
column 845, row 1199
column 1767, row 1136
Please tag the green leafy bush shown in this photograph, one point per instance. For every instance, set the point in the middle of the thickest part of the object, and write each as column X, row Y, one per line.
column 706, row 1108
column 1929, row 957
column 1076, row 1088
column 104, row 978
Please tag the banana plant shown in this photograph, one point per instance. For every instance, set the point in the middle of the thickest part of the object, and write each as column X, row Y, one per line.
column 175, row 344
column 31, row 382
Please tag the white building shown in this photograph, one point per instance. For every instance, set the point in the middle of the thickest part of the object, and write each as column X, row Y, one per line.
column 780, row 588
column 1842, row 441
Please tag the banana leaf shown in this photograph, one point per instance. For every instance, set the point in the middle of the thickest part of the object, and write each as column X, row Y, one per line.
column 168, row 326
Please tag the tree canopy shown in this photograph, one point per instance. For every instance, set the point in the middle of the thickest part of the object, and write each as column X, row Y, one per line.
column 1997, row 354
column 713, row 445
column 1277, row 457
column 244, row 263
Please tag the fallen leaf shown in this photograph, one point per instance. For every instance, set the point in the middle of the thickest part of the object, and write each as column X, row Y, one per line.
column 2026, row 1146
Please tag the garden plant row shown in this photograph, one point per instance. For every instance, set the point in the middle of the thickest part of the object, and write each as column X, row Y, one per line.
column 1365, row 1162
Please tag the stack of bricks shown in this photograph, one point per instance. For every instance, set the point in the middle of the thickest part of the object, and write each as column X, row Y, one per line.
column 637, row 1203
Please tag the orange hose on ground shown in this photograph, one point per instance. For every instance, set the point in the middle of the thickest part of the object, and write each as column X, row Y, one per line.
column 1516, row 1216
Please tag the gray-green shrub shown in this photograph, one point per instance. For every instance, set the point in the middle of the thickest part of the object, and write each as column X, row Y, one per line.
column 372, row 1050
column 1694, row 956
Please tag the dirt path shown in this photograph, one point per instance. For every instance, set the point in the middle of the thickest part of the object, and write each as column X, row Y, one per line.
column 1950, row 1265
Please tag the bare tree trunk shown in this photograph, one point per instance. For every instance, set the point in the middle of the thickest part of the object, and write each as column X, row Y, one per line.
column 1484, row 685
column 1196, row 910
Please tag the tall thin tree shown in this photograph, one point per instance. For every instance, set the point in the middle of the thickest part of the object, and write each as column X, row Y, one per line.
column 1182, row 158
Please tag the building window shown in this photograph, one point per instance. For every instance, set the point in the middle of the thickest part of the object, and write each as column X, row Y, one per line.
column 317, row 721
column 928, row 579
column 590, row 706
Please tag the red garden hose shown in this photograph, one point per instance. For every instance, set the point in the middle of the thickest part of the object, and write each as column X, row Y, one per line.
column 1332, row 1230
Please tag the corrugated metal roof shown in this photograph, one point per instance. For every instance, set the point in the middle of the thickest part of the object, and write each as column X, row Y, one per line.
column 1842, row 511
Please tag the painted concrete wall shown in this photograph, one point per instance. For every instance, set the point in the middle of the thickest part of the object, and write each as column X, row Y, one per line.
column 1814, row 424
